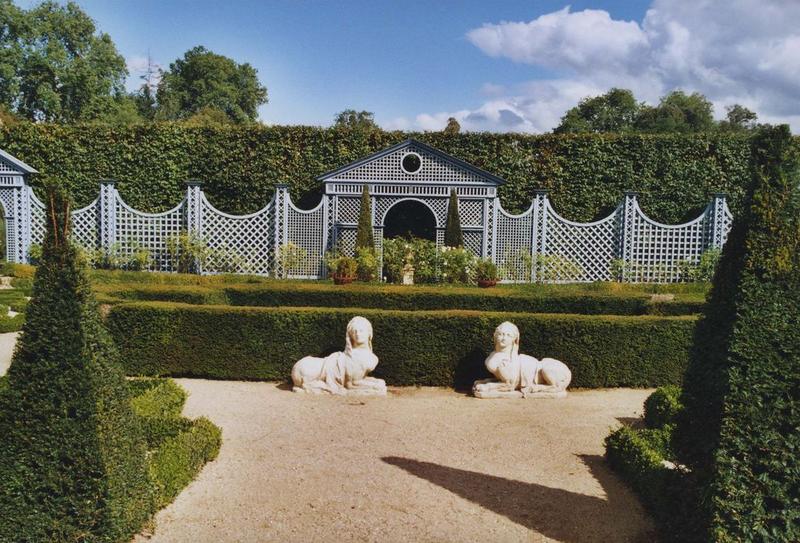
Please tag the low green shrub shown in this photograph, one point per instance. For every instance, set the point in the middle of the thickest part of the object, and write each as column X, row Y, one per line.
column 638, row 456
column 512, row 298
column 178, row 460
column 165, row 399
column 662, row 407
column 438, row 348
column 12, row 324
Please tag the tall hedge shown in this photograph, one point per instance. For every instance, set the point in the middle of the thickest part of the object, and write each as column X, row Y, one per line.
column 740, row 432
column 586, row 174
column 72, row 456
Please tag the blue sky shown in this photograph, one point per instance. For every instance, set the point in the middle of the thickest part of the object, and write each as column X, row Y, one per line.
column 503, row 66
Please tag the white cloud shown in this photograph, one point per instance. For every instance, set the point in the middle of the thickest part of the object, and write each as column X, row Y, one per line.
column 732, row 51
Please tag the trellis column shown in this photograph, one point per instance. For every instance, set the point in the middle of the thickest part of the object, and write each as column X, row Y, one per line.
column 718, row 232
column 20, row 225
column 108, row 214
column 194, row 215
column 538, row 228
column 627, row 233
column 280, row 234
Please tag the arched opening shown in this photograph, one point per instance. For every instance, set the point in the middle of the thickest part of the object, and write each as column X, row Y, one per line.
column 410, row 218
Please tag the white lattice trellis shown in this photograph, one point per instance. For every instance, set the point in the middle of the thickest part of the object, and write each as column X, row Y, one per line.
column 137, row 231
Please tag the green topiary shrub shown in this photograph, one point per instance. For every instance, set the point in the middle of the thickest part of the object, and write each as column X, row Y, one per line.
column 739, row 431
column 364, row 235
column 662, row 407
column 72, row 456
column 453, row 237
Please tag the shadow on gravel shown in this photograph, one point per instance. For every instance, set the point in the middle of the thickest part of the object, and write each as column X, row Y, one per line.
column 553, row 512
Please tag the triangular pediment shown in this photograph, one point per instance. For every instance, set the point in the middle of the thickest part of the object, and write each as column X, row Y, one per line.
column 13, row 165
column 435, row 167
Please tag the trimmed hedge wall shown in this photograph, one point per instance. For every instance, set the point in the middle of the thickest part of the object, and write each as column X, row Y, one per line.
column 586, row 174
column 438, row 348
column 281, row 294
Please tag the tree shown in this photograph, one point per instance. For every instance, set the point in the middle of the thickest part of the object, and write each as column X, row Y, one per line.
column 357, row 120
column 452, row 126
column 203, row 79
column 72, row 455
column 678, row 112
column 53, row 66
column 615, row 111
column 452, row 230
column 739, row 119
column 364, row 238
column 738, row 433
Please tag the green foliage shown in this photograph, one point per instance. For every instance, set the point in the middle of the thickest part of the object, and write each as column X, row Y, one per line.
column 738, row 433
column 178, row 460
column 188, row 252
column 452, row 230
column 638, row 456
column 615, row 111
column 585, row 174
column 364, row 238
column 457, row 265
column 368, row 265
column 3, row 383
column 678, row 112
column 555, row 267
column 486, row 270
column 662, row 407
column 72, row 456
column 292, row 257
column 54, row 66
column 595, row 299
column 436, row 348
column 340, row 265
column 421, row 254
column 703, row 270
column 355, row 120
column 127, row 256
column 202, row 80
column 738, row 119
column 453, row 126
column 178, row 447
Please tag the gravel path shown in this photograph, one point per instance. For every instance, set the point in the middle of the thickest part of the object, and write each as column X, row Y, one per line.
column 422, row 464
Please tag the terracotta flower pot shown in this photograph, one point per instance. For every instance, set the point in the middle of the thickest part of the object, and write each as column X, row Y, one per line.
column 486, row 283
column 342, row 279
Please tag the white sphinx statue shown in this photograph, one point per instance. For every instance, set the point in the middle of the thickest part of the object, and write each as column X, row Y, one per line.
column 342, row 372
column 520, row 375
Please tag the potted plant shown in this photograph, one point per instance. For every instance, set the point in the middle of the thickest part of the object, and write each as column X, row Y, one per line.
column 486, row 273
column 343, row 269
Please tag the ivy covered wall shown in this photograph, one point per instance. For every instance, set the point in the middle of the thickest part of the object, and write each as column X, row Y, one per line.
column 239, row 166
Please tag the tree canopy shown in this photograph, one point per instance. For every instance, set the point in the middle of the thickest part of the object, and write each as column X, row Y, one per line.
column 54, row 66
column 202, row 80
column 618, row 111
column 350, row 118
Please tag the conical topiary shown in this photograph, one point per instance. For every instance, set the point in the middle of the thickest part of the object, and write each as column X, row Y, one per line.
column 72, row 457
column 739, row 432
column 364, row 236
column 452, row 230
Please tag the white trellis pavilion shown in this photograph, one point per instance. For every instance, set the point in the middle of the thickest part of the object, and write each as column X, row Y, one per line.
column 537, row 245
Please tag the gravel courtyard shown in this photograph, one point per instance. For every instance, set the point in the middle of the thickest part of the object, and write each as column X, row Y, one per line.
column 423, row 464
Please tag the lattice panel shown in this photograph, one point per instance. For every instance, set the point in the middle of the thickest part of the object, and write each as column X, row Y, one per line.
column 239, row 244
column 305, row 231
column 578, row 252
column 473, row 241
column 37, row 219
column 148, row 231
column 85, row 230
column 658, row 250
column 434, row 169
column 349, row 209
column 7, row 167
column 437, row 205
column 471, row 212
column 346, row 241
column 513, row 245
